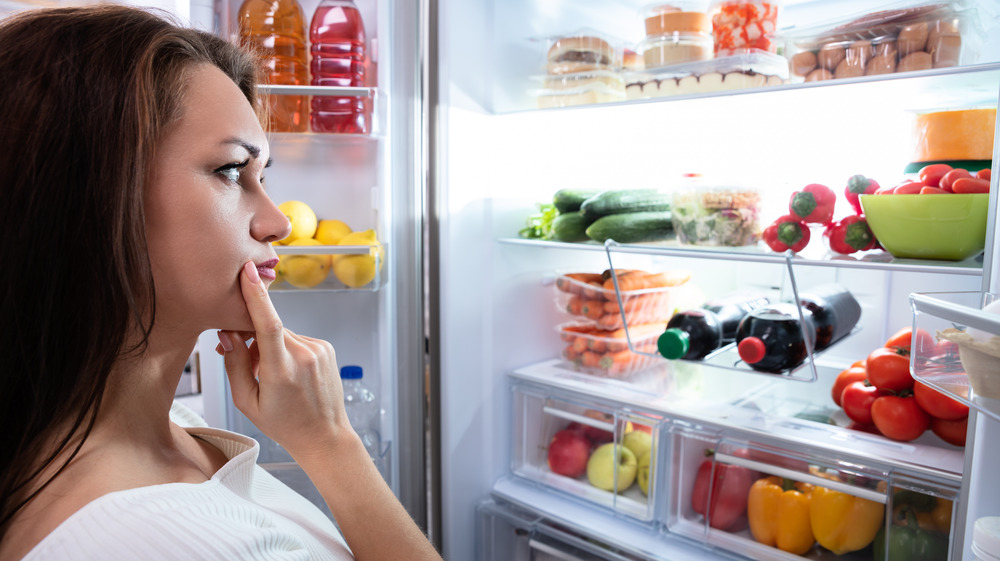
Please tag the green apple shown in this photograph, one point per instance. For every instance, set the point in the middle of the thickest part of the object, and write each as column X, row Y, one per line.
column 642, row 476
column 638, row 442
column 602, row 464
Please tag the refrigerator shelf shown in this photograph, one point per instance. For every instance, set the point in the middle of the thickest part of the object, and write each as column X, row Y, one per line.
column 941, row 365
column 277, row 89
column 331, row 283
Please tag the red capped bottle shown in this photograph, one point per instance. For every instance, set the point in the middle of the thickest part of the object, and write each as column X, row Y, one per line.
column 770, row 339
column 339, row 58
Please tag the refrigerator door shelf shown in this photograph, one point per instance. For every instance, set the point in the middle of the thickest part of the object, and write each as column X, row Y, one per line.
column 577, row 446
column 943, row 359
column 331, row 279
column 375, row 99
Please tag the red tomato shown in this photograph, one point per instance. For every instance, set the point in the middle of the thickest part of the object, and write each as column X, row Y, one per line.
column 729, row 487
column 932, row 174
column 857, row 400
column 911, row 188
column 938, row 404
column 903, row 339
column 951, row 431
column 984, row 174
column 951, row 176
column 852, row 374
column 899, row 418
column 889, row 369
column 863, row 428
column 928, row 190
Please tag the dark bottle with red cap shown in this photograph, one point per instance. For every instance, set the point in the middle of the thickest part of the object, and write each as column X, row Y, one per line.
column 770, row 339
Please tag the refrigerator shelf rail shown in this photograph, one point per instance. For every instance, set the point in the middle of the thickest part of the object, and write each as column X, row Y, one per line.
column 330, row 281
column 276, row 89
column 935, row 312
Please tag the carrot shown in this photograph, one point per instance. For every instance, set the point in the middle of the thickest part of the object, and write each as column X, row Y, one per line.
column 971, row 185
column 590, row 358
column 640, row 331
column 646, row 281
column 928, row 190
column 592, row 309
column 624, row 362
column 651, row 315
column 580, row 344
column 597, row 344
column 638, row 302
column 570, row 354
column 569, row 332
column 571, row 282
column 595, row 291
column 622, row 274
column 575, row 305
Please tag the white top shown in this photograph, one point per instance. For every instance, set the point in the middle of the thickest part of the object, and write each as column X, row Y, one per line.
column 241, row 513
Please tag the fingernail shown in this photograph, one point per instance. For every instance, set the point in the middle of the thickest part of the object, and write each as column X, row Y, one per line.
column 252, row 273
column 225, row 341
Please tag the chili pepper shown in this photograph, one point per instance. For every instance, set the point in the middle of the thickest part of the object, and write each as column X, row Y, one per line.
column 787, row 232
column 843, row 523
column 813, row 204
column 778, row 511
column 849, row 235
column 911, row 543
column 859, row 185
column 728, row 487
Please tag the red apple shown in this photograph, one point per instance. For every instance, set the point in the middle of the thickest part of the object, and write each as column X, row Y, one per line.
column 569, row 451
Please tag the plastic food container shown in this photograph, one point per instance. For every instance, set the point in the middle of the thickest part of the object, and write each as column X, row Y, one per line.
column 605, row 353
column 752, row 69
column 911, row 36
column 600, row 305
column 683, row 17
column 582, row 51
column 744, row 24
column 719, row 216
column 674, row 48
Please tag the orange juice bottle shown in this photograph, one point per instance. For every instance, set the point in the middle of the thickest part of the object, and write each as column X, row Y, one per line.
column 276, row 30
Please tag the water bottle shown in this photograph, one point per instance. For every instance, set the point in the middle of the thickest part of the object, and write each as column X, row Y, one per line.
column 693, row 334
column 339, row 58
column 362, row 407
column 834, row 312
column 276, row 30
column 770, row 339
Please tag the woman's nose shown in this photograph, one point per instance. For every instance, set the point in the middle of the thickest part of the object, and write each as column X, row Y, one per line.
column 270, row 224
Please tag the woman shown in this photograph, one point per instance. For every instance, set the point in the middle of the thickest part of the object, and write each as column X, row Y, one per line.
column 132, row 192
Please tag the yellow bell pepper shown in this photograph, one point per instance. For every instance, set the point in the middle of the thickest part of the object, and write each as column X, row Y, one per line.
column 843, row 523
column 778, row 512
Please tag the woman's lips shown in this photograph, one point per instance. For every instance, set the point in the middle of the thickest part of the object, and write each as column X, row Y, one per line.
column 266, row 269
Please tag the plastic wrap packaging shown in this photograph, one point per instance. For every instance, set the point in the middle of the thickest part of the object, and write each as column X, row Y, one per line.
column 580, row 68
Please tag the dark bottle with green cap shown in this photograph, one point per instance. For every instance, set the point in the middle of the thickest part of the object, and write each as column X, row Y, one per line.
column 690, row 335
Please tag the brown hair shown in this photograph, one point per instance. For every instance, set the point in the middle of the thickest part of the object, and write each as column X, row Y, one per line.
column 85, row 96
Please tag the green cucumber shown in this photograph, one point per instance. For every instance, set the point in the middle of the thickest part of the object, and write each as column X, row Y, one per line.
column 632, row 227
column 625, row 200
column 570, row 227
column 569, row 200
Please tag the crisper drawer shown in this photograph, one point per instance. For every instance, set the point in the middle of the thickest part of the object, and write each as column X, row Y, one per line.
column 769, row 502
column 596, row 452
column 509, row 533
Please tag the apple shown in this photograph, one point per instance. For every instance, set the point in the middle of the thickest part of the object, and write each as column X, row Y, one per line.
column 568, row 453
column 643, row 428
column 601, row 436
column 638, row 442
column 642, row 476
column 605, row 460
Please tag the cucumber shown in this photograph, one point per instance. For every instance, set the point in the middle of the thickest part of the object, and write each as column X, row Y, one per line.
column 570, row 227
column 632, row 227
column 569, row 200
column 625, row 200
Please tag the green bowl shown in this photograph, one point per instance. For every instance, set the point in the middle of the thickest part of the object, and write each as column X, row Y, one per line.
column 949, row 227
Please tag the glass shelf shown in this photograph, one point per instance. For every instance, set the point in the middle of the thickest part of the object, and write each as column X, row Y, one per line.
column 277, row 89
column 330, row 283
column 940, row 365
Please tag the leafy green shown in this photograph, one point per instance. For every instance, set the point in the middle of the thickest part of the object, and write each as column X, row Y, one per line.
column 539, row 226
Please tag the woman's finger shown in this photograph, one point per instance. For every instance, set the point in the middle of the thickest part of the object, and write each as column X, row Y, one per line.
column 268, row 331
column 240, row 370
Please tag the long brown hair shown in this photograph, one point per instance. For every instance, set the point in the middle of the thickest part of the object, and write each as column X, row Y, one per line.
column 85, row 94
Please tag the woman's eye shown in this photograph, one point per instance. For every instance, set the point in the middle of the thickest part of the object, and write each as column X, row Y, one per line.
column 232, row 171
column 231, row 174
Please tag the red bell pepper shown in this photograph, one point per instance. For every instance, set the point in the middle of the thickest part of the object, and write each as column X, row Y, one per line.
column 728, row 486
column 849, row 235
column 813, row 204
column 787, row 232
column 859, row 185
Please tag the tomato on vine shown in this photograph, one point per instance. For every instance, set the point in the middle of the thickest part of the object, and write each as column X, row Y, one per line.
column 938, row 404
column 899, row 418
column 903, row 339
column 889, row 369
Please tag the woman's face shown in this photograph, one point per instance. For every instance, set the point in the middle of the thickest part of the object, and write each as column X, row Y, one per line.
column 206, row 210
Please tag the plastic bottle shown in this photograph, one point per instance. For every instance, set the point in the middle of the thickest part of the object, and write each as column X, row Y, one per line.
column 339, row 58
column 731, row 310
column 277, row 30
column 834, row 312
column 770, row 339
column 693, row 334
column 362, row 407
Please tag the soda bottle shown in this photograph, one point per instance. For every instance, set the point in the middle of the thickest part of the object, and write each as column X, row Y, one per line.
column 276, row 29
column 690, row 335
column 770, row 339
column 362, row 407
column 834, row 312
column 338, row 59
column 730, row 310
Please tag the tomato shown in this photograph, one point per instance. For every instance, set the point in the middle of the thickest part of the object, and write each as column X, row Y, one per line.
column 932, row 174
column 889, row 369
column 938, row 404
column 857, row 400
column 951, row 431
column 729, row 487
column 984, row 174
column 852, row 374
column 863, row 428
column 903, row 339
column 899, row 418
column 911, row 188
column 951, row 176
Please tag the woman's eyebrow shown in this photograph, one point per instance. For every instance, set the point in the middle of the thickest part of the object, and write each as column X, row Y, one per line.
column 253, row 149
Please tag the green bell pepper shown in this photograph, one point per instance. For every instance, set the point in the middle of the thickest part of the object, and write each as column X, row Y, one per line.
column 911, row 543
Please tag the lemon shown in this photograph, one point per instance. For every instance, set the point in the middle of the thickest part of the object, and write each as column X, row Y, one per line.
column 358, row 270
column 330, row 232
column 303, row 220
column 363, row 237
column 304, row 271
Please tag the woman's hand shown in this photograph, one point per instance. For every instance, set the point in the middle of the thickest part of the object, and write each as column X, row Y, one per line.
column 287, row 384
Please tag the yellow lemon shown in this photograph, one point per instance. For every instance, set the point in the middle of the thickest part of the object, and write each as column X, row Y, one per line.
column 303, row 220
column 354, row 271
column 330, row 232
column 363, row 237
column 304, row 271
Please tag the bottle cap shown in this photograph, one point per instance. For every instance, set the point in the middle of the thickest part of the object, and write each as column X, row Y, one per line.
column 752, row 350
column 351, row 373
column 673, row 343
